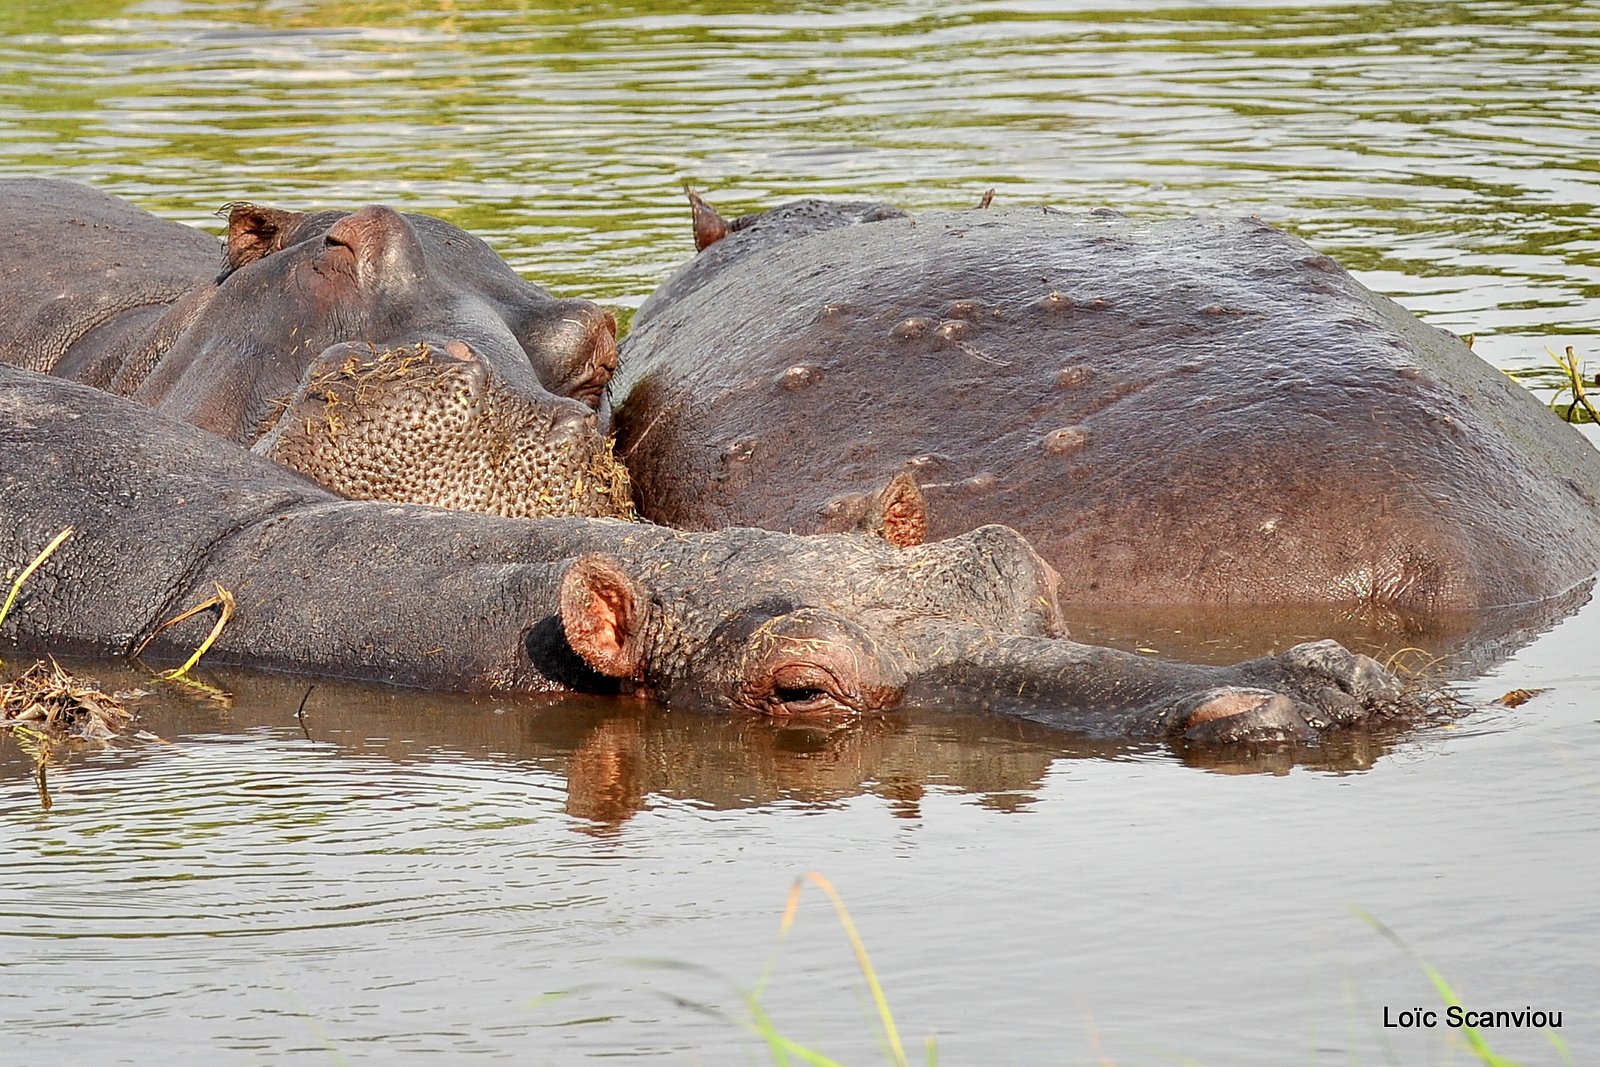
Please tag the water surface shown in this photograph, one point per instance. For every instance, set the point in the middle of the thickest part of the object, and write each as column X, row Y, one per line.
column 407, row 878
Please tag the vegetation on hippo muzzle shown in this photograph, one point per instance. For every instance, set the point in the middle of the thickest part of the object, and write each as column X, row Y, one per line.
column 360, row 374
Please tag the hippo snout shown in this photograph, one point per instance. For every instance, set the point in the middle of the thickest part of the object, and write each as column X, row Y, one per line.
column 572, row 423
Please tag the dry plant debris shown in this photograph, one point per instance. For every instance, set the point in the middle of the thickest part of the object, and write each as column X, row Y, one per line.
column 47, row 699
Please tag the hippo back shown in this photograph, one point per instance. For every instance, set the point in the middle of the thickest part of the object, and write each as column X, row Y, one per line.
column 1194, row 411
column 77, row 258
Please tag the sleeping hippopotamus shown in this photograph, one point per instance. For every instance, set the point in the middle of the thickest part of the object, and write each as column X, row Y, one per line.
column 98, row 291
column 103, row 293
column 739, row 619
column 1198, row 411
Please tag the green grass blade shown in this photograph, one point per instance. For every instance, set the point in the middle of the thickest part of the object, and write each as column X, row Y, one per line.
column 762, row 1025
column 885, row 1017
column 1560, row 1046
column 1475, row 1040
column 781, row 1047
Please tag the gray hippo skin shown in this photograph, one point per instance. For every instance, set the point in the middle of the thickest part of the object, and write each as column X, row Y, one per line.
column 98, row 291
column 737, row 619
column 1199, row 411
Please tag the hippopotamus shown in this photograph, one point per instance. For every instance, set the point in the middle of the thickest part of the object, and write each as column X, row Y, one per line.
column 101, row 292
column 1202, row 411
column 738, row 620
column 434, row 424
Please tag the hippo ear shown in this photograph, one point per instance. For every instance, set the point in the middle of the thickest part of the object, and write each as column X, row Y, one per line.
column 898, row 512
column 603, row 613
column 709, row 227
column 255, row 231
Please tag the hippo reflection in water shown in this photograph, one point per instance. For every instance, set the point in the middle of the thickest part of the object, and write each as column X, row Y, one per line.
column 338, row 328
column 616, row 759
column 1193, row 412
column 737, row 619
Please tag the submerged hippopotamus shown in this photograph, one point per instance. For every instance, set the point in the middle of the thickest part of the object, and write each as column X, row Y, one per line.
column 737, row 619
column 103, row 293
column 1197, row 411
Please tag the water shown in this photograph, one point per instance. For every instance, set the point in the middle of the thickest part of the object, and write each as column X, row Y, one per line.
column 420, row 878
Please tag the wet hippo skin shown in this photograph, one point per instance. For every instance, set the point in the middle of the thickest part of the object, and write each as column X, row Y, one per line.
column 236, row 336
column 1198, row 411
column 741, row 620
column 98, row 291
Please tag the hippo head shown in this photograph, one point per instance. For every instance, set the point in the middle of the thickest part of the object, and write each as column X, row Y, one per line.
column 570, row 344
column 788, row 626
column 433, row 424
column 770, row 624
column 295, row 285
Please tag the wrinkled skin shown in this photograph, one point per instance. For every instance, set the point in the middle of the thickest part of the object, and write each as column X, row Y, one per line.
column 99, row 292
column 432, row 424
column 1201, row 411
column 739, row 620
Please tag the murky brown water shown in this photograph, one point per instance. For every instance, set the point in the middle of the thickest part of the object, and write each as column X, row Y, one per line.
column 409, row 877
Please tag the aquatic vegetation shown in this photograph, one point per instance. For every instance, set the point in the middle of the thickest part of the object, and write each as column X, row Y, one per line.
column 1566, row 379
column 1471, row 1034
column 781, row 1047
column 44, row 707
column 50, row 700
column 27, row 572
column 222, row 599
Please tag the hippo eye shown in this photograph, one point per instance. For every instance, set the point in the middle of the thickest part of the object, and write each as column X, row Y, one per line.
column 336, row 256
column 335, row 246
column 804, row 689
column 800, row 695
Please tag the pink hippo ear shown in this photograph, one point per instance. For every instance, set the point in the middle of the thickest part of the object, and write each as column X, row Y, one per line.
column 255, row 231
column 603, row 614
column 709, row 227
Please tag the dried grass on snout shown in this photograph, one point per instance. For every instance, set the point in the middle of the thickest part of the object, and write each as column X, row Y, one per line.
column 611, row 478
column 486, row 453
column 350, row 383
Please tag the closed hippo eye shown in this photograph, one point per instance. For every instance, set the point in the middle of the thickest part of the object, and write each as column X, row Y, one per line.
column 809, row 689
column 812, row 663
